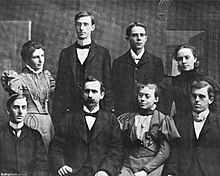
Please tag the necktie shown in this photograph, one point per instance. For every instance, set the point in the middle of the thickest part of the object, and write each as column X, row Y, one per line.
column 83, row 46
column 17, row 132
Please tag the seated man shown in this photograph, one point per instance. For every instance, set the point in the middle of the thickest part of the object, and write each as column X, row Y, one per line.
column 197, row 152
column 88, row 142
column 146, row 134
column 22, row 150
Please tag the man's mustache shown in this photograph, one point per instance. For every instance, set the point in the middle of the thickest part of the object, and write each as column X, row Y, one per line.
column 89, row 100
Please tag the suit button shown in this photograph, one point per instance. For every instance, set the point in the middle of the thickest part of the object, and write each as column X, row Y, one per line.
column 136, row 69
column 135, row 81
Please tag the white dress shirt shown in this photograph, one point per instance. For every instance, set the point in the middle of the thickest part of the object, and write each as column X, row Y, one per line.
column 135, row 56
column 83, row 53
column 17, row 126
column 90, row 120
column 199, row 123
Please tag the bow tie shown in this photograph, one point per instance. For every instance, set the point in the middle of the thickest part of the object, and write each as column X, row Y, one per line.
column 136, row 58
column 83, row 46
column 91, row 114
column 146, row 112
column 198, row 118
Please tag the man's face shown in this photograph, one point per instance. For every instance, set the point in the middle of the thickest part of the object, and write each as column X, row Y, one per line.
column 92, row 94
column 146, row 98
column 37, row 59
column 200, row 99
column 137, row 38
column 18, row 110
column 185, row 59
column 84, row 27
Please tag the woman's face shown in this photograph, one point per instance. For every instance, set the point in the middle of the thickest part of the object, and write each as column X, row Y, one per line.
column 185, row 59
column 37, row 59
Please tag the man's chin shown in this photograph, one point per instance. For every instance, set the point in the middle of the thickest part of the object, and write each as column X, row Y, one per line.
column 197, row 110
column 81, row 37
column 90, row 105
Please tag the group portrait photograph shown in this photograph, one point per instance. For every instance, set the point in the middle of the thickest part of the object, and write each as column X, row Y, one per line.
column 109, row 87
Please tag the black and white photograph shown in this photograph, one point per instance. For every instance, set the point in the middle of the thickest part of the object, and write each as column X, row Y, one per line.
column 109, row 87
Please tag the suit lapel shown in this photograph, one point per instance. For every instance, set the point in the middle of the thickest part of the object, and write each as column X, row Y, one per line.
column 72, row 59
column 190, row 123
column 144, row 58
column 91, row 54
column 80, row 125
column 100, row 123
column 207, row 125
column 23, row 133
column 13, row 136
column 130, row 60
column 9, row 133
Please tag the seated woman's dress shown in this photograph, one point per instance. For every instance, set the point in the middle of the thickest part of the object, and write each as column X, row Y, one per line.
column 146, row 139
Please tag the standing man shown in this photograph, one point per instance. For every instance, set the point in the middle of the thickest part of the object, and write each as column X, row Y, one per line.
column 135, row 66
column 22, row 150
column 88, row 142
column 78, row 61
column 197, row 151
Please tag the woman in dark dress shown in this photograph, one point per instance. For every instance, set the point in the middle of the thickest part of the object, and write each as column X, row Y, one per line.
column 176, row 89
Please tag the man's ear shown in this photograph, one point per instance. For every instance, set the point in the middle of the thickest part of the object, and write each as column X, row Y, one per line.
column 8, row 112
column 146, row 38
column 93, row 27
column 102, row 95
column 156, row 99
column 211, row 99
column 195, row 59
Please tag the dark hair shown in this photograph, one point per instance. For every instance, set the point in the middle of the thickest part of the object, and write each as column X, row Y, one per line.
column 201, row 84
column 12, row 98
column 90, row 79
column 129, row 28
column 84, row 14
column 28, row 48
column 192, row 48
column 150, row 86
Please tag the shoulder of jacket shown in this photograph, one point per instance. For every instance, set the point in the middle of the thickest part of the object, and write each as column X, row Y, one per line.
column 68, row 48
column 122, row 57
column 100, row 47
column 152, row 58
column 3, row 126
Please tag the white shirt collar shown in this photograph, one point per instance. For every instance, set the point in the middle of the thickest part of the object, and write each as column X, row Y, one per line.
column 84, row 42
column 135, row 56
column 16, row 126
column 32, row 70
column 203, row 115
column 96, row 109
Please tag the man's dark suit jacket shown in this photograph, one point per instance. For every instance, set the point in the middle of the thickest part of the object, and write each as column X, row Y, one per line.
column 126, row 74
column 24, row 155
column 70, row 146
column 68, row 96
column 208, row 147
